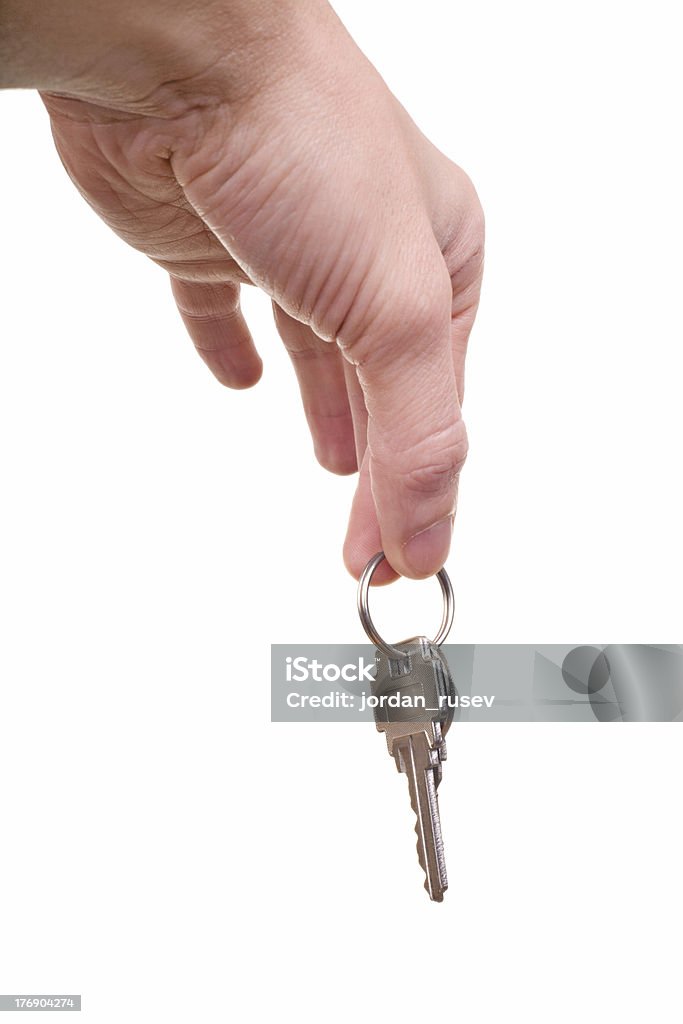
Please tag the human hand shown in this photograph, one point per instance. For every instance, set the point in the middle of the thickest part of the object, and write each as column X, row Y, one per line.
column 264, row 149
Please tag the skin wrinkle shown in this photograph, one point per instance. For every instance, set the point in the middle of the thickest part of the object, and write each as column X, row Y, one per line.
column 435, row 478
column 322, row 313
column 203, row 271
column 312, row 311
column 245, row 196
column 172, row 86
column 383, row 349
column 310, row 353
column 446, row 438
column 381, row 304
column 179, row 205
column 436, row 472
column 200, row 318
column 176, row 240
column 327, row 414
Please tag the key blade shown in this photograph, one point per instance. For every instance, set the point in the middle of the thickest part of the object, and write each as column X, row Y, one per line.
column 416, row 760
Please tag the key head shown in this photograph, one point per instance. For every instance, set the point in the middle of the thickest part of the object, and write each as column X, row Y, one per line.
column 413, row 694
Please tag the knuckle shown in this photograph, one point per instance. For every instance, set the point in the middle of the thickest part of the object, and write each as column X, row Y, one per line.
column 469, row 205
column 398, row 316
column 460, row 223
column 431, row 467
column 473, row 236
column 474, row 212
column 464, row 248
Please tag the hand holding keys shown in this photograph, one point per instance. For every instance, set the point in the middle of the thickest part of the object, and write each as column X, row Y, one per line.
column 415, row 693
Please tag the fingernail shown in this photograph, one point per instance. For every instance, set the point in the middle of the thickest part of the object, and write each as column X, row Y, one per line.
column 426, row 551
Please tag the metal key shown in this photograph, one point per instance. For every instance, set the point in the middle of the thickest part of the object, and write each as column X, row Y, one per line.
column 414, row 708
column 414, row 713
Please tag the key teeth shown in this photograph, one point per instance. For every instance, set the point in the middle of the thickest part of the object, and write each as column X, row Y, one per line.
column 436, row 897
column 439, row 889
column 437, row 894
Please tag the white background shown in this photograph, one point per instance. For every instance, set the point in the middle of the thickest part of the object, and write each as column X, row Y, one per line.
column 162, row 844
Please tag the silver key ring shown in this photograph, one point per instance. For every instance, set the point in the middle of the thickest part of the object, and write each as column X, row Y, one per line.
column 364, row 608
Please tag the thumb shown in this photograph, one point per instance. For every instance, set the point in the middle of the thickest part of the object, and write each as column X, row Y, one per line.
column 417, row 442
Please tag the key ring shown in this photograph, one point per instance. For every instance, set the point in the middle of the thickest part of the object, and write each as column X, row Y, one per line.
column 368, row 625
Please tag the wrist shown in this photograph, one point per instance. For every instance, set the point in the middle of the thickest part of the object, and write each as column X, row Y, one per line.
column 153, row 57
